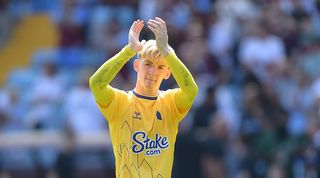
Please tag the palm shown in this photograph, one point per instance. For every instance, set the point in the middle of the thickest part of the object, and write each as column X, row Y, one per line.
column 158, row 27
column 134, row 34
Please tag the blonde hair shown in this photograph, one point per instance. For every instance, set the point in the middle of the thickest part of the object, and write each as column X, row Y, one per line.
column 150, row 51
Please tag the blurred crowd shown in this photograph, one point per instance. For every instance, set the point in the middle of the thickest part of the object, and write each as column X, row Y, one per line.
column 256, row 62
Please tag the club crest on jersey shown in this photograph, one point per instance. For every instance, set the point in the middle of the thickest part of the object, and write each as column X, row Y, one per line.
column 141, row 143
column 158, row 114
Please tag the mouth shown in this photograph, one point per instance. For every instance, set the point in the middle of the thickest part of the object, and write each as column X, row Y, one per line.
column 151, row 80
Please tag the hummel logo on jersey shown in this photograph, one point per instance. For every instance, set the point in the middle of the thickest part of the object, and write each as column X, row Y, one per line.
column 136, row 115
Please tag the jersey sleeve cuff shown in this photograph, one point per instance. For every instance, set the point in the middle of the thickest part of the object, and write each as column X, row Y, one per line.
column 129, row 52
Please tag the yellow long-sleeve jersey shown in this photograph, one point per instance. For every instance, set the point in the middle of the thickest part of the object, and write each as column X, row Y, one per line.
column 143, row 132
column 143, row 129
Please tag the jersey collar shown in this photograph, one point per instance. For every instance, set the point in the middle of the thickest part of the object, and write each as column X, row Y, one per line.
column 144, row 97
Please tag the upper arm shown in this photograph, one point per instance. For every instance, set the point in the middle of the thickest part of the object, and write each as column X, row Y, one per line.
column 184, row 100
column 102, row 94
column 185, row 95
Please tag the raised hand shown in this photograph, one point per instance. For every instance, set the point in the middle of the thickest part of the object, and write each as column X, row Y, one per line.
column 134, row 34
column 159, row 28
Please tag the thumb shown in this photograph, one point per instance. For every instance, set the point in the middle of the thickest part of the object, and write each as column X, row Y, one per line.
column 143, row 42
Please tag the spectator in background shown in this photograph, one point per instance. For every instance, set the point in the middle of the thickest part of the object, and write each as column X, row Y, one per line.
column 309, row 53
column 44, row 112
column 193, row 49
column 71, row 18
column 45, row 98
column 280, row 24
column 188, row 151
column 315, row 89
column 275, row 171
column 236, row 9
column 65, row 165
column 227, row 101
column 215, row 148
column 82, row 114
column 262, row 52
column 297, row 100
column 202, row 114
column 12, row 109
column 3, row 119
column 221, row 39
column 72, row 33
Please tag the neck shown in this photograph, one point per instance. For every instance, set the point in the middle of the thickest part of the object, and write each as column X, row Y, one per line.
column 146, row 92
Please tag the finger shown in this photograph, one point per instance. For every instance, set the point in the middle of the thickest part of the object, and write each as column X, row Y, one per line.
column 156, row 23
column 162, row 22
column 159, row 18
column 133, row 24
column 155, row 26
column 137, row 26
column 153, row 30
column 158, row 30
column 140, row 25
column 139, row 21
column 159, row 24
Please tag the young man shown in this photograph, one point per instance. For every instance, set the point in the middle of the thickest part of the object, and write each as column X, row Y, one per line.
column 144, row 122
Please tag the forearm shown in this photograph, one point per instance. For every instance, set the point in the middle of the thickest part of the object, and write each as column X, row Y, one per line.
column 99, row 81
column 106, row 73
column 182, row 76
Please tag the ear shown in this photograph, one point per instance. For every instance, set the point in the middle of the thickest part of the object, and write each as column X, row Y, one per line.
column 136, row 65
column 167, row 75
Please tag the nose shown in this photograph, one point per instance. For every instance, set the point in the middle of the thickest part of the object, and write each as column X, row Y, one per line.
column 153, row 70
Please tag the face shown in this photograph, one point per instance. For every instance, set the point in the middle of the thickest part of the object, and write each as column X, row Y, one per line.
column 150, row 73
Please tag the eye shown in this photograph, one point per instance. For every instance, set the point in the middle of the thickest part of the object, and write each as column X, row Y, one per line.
column 147, row 63
column 162, row 67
